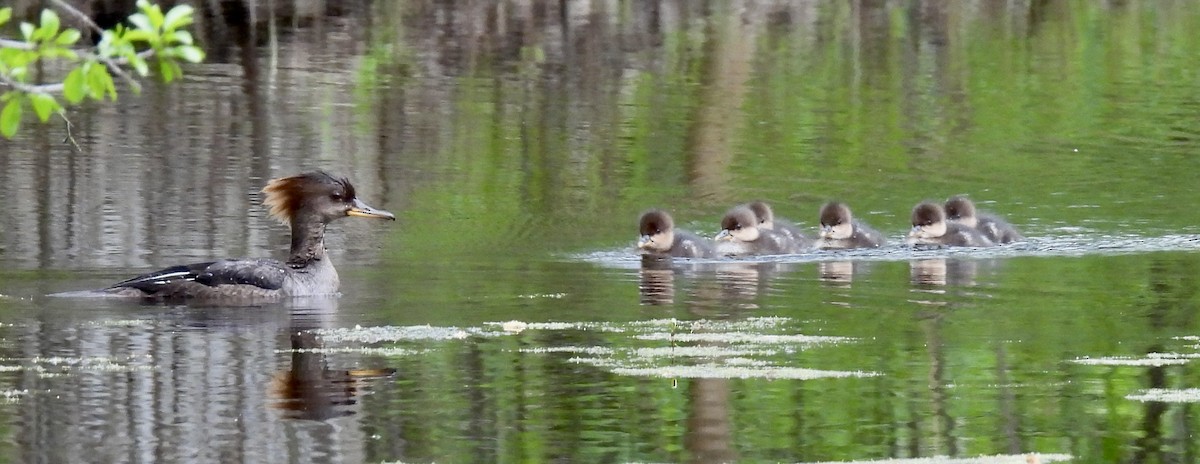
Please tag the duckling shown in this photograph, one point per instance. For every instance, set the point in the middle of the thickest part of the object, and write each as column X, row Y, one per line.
column 931, row 228
column 839, row 229
column 768, row 221
column 660, row 237
column 741, row 225
column 960, row 209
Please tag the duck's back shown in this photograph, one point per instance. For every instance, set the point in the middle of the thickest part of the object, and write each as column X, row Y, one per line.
column 960, row 235
column 689, row 245
column 230, row 278
column 997, row 230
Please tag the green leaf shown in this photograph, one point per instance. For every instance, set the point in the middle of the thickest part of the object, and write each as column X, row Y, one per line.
column 180, row 37
column 167, row 70
column 68, row 37
column 155, row 13
column 190, row 53
column 5, row 15
column 138, row 64
column 138, row 35
column 74, row 87
column 50, row 23
column 141, row 22
column 10, row 118
column 44, row 105
column 96, row 76
column 27, row 31
column 178, row 17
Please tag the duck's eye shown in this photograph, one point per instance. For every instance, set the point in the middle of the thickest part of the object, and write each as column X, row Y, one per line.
column 335, row 196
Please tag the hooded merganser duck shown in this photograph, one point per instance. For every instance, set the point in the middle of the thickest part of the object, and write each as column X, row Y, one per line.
column 658, row 236
column 768, row 221
column 930, row 227
column 960, row 209
column 742, row 226
column 306, row 202
column 839, row 229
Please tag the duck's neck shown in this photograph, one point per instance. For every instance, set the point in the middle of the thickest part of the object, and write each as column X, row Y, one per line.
column 308, row 241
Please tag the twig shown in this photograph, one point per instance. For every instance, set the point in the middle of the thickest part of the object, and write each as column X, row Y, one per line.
column 70, row 138
column 30, row 88
column 17, row 44
column 78, row 15
column 112, row 65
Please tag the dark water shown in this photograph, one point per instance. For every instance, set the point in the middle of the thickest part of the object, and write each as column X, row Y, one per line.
column 504, row 317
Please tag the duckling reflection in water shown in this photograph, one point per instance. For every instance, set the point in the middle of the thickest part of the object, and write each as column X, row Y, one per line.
column 658, row 236
column 305, row 202
column 839, row 229
column 741, row 226
column 768, row 221
column 941, row 272
column 930, row 227
column 960, row 209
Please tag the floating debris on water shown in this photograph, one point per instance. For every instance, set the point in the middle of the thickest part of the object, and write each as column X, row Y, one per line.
column 1167, row 395
column 712, row 348
column 12, row 396
column 1028, row 458
column 739, row 337
column 375, row 351
column 379, row 334
column 592, row 350
column 1151, row 359
column 716, row 371
column 543, row 295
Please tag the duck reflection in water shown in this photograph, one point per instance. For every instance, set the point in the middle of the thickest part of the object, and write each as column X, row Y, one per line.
column 716, row 287
column 940, row 272
column 836, row 273
column 310, row 390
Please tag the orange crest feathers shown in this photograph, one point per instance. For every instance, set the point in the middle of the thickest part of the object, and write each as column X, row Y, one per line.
column 286, row 195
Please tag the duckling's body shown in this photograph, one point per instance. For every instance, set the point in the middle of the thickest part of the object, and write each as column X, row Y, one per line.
column 306, row 202
column 658, row 236
column 930, row 227
column 839, row 229
column 768, row 221
column 741, row 226
column 961, row 210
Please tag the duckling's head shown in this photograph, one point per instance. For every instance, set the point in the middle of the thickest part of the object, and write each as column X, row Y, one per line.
column 656, row 231
column 739, row 224
column 762, row 211
column 316, row 196
column 961, row 209
column 836, row 221
column 928, row 221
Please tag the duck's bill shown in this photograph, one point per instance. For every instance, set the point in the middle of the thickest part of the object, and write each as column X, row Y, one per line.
column 723, row 235
column 826, row 232
column 361, row 209
column 915, row 232
column 644, row 241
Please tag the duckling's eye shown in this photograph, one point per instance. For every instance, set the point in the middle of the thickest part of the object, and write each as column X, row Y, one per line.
column 335, row 196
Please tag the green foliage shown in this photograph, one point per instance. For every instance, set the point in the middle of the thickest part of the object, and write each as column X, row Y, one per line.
column 153, row 34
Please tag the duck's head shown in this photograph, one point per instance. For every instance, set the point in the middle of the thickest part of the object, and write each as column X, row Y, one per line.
column 762, row 211
column 316, row 197
column 739, row 224
column 961, row 209
column 656, row 231
column 928, row 221
column 836, row 221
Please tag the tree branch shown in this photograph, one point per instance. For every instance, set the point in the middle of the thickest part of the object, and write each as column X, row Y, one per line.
column 113, row 67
